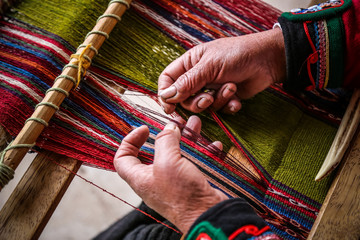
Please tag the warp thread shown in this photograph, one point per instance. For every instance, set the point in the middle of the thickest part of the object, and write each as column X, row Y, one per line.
column 149, row 53
column 113, row 195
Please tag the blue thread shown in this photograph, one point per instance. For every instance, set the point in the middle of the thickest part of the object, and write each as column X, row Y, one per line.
column 35, row 53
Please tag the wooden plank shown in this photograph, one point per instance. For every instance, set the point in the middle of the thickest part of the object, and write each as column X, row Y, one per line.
column 5, row 138
column 36, row 196
column 339, row 217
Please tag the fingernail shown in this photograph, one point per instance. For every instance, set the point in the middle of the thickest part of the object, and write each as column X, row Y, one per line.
column 203, row 103
column 233, row 109
column 227, row 92
column 168, row 93
column 170, row 126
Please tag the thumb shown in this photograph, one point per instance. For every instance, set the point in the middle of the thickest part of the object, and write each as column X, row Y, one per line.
column 188, row 83
column 167, row 145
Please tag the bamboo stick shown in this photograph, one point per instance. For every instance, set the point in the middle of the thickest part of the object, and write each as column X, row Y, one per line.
column 32, row 129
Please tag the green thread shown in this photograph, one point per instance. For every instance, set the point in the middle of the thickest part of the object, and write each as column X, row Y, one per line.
column 120, row 1
column 99, row 33
column 336, row 35
column 206, row 227
column 71, row 65
column 84, row 56
column 91, row 47
column 6, row 172
column 47, row 104
column 66, row 93
column 39, row 120
column 65, row 77
column 109, row 15
column 154, row 50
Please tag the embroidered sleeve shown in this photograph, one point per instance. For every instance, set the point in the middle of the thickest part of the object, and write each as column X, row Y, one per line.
column 315, row 45
column 233, row 219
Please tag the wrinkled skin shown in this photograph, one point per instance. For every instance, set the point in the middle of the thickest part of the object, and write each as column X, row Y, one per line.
column 234, row 68
column 172, row 185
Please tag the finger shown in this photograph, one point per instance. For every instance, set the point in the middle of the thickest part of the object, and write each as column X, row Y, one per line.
column 125, row 160
column 167, row 148
column 217, row 144
column 223, row 95
column 173, row 71
column 167, row 107
column 198, row 103
column 233, row 106
column 185, row 85
column 168, row 77
column 193, row 126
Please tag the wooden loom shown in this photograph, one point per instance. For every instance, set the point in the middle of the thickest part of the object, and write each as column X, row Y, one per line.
column 27, row 210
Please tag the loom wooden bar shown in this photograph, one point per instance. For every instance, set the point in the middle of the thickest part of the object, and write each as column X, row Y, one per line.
column 28, row 209
column 5, row 138
column 339, row 217
column 32, row 129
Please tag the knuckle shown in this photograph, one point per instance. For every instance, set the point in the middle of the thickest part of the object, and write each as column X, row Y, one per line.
column 163, row 134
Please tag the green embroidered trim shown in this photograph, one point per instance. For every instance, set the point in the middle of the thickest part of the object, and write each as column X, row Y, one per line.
column 336, row 52
column 319, row 14
column 206, row 227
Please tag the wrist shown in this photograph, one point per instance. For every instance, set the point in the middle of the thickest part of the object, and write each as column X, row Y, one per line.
column 185, row 217
column 279, row 58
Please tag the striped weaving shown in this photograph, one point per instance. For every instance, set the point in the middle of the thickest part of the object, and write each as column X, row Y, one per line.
column 285, row 137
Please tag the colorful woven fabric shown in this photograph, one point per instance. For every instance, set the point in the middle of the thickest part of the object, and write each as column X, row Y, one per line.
column 284, row 137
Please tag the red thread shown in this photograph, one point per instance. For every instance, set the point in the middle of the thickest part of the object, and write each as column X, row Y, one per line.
column 203, row 236
column 313, row 58
column 249, row 229
column 113, row 195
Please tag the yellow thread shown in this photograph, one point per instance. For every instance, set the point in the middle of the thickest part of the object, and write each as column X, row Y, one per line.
column 82, row 62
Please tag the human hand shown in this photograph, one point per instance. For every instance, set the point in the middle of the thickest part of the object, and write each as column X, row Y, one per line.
column 172, row 185
column 235, row 67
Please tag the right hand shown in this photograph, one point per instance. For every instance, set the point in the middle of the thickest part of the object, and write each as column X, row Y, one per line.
column 235, row 68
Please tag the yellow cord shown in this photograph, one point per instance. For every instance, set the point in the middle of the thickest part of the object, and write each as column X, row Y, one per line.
column 83, row 63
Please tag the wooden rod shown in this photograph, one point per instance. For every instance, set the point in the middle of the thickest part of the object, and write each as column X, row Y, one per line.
column 343, row 137
column 32, row 129
column 339, row 216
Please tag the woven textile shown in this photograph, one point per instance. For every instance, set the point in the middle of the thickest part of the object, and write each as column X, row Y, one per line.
column 285, row 137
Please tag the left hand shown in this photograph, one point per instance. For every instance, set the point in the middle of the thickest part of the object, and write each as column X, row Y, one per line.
column 172, row 185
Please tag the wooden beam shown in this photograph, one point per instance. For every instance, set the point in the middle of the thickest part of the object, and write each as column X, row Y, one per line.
column 339, row 217
column 30, row 206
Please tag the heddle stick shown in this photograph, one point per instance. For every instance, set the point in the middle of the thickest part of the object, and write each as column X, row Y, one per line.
column 343, row 136
column 64, row 83
column 339, row 216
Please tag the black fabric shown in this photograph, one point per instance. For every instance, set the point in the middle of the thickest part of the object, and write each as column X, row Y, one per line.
column 297, row 51
column 137, row 226
column 231, row 215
